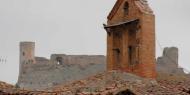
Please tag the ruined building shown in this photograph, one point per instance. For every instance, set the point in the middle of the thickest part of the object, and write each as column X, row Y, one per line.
column 26, row 55
column 131, row 38
column 130, row 48
column 40, row 73
column 168, row 62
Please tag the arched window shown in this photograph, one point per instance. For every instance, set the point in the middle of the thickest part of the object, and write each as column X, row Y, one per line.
column 126, row 8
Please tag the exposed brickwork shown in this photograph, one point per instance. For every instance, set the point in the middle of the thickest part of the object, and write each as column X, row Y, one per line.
column 131, row 38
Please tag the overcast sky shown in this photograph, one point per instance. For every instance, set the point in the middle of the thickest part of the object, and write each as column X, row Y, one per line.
column 75, row 27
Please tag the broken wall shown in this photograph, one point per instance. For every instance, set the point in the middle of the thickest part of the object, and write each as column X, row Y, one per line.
column 46, row 73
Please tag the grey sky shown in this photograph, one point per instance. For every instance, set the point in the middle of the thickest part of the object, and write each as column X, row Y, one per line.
column 75, row 27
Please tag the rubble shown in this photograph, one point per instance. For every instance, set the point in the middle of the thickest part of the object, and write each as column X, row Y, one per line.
column 112, row 83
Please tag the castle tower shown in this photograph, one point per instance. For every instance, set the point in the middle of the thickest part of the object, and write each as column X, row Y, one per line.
column 131, row 38
column 27, row 56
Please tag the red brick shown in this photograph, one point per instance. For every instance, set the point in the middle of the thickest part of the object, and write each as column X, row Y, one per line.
column 121, row 39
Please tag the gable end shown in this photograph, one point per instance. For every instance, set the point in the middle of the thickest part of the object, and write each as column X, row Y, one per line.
column 114, row 9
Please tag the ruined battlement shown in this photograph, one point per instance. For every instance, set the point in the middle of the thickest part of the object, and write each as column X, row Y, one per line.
column 62, row 68
column 168, row 62
column 40, row 72
column 27, row 54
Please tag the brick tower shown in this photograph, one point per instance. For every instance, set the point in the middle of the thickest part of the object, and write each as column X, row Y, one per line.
column 131, row 38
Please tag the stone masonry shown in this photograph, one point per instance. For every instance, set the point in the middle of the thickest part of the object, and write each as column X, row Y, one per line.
column 40, row 73
column 168, row 62
column 37, row 73
column 131, row 38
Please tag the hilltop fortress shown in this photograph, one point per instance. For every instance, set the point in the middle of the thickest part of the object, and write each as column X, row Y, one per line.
column 40, row 73
column 130, row 48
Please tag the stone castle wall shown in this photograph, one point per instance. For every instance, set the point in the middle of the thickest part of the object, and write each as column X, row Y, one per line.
column 168, row 62
column 47, row 72
column 40, row 73
column 61, row 68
